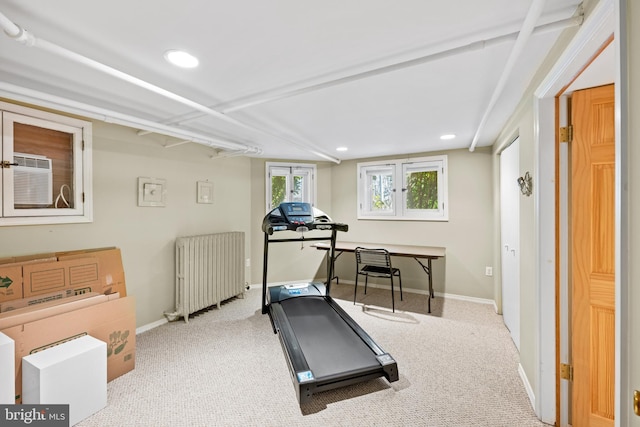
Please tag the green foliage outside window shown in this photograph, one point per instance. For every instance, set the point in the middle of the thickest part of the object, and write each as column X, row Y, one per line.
column 278, row 190
column 296, row 195
column 422, row 190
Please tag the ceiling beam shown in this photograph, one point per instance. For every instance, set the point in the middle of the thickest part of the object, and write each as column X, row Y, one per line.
column 525, row 33
column 437, row 52
column 20, row 35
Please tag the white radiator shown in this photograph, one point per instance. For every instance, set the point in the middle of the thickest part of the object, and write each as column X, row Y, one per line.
column 209, row 269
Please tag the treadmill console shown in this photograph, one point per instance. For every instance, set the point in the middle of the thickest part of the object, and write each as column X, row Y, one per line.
column 297, row 216
column 297, row 213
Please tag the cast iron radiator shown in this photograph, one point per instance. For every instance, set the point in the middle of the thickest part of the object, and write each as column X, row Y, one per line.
column 209, row 269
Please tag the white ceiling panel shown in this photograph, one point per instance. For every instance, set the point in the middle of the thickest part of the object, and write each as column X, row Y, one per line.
column 285, row 79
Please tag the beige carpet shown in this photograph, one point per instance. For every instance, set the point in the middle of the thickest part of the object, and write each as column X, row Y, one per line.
column 458, row 367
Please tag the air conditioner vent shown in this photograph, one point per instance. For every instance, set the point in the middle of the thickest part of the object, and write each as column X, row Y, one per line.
column 31, row 161
column 32, row 180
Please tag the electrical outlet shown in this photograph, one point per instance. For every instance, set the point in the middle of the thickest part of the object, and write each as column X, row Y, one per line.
column 247, row 262
column 488, row 271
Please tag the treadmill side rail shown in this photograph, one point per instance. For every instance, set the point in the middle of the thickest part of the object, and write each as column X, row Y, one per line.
column 356, row 328
column 389, row 366
column 301, row 374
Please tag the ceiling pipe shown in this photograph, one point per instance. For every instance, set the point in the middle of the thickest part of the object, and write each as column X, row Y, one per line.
column 289, row 91
column 228, row 154
column 22, row 36
column 74, row 107
column 528, row 26
column 478, row 45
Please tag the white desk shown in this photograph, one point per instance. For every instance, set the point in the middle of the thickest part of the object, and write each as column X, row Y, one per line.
column 418, row 253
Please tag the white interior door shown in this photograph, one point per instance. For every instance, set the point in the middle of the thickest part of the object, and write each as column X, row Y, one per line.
column 510, row 237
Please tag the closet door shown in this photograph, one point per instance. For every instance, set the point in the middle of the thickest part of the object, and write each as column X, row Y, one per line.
column 510, row 237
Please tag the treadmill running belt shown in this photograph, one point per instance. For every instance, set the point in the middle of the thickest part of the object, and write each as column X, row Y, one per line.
column 330, row 346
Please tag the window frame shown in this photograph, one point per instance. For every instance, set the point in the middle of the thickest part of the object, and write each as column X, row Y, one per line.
column 399, row 169
column 291, row 170
column 80, row 132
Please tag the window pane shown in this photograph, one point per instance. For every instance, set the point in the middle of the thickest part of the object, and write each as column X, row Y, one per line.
column 278, row 189
column 43, row 176
column 289, row 183
column 380, row 191
column 422, row 190
column 297, row 192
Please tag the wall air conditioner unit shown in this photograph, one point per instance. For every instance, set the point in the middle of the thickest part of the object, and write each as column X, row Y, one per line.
column 32, row 180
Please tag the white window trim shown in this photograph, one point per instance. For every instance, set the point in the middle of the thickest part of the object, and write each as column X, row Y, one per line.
column 400, row 213
column 82, row 131
column 292, row 167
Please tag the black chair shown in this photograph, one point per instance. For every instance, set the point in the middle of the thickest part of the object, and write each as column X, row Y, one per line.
column 375, row 263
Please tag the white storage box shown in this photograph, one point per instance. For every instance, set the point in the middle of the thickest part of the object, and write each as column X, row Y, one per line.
column 7, row 370
column 73, row 373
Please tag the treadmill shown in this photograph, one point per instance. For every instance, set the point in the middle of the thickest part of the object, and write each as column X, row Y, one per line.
column 324, row 347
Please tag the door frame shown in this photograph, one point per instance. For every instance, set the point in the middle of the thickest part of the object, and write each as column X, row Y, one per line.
column 598, row 27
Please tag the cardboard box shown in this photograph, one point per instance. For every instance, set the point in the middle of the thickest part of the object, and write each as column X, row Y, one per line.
column 22, row 259
column 110, row 270
column 35, row 300
column 51, row 308
column 87, row 270
column 7, row 369
column 73, row 373
column 113, row 322
column 45, row 277
column 10, row 282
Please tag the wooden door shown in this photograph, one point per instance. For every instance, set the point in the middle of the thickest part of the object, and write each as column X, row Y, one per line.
column 593, row 256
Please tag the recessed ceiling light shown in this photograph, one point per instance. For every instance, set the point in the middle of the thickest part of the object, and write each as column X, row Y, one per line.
column 447, row 136
column 181, row 58
column 341, row 149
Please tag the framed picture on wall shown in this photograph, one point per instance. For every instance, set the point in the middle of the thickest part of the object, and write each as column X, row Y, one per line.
column 152, row 191
column 205, row 192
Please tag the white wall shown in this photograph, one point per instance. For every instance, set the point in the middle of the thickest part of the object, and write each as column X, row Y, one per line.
column 467, row 236
column 146, row 235
column 290, row 261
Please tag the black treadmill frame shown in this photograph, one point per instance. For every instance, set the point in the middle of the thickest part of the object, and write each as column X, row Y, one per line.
column 294, row 355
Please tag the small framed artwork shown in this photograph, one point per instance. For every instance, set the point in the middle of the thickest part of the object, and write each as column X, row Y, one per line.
column 205, row 192
column 151, row 191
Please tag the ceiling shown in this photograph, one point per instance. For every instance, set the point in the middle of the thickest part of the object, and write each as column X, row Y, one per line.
column 285, row 79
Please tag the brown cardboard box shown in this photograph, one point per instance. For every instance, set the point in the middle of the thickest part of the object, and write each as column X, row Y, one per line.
column 35, row 300
column 113, row 322
column 10, row 282
column 50, row 308
column 87, row 270
column 35, row 258
column 110, row 270
column 66, row 254
column 28, row 258
column 45, row 277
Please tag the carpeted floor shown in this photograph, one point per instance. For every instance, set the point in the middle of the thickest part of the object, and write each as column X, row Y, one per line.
column 458, row 367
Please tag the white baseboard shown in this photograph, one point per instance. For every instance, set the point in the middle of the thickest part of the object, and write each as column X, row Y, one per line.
column 527, row 386
column 150, row 326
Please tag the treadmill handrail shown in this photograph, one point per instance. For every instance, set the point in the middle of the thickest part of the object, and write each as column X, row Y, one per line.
column 270, row 228
column 333, row 226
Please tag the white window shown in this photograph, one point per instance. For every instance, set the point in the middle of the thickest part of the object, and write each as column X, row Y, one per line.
column 46, row 167
column 290, row 182
column 414, row 189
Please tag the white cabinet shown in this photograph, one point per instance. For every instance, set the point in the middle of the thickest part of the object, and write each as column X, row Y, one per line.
column 46, row 167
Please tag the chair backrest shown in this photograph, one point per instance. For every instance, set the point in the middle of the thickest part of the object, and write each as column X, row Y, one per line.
column 377, row 257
